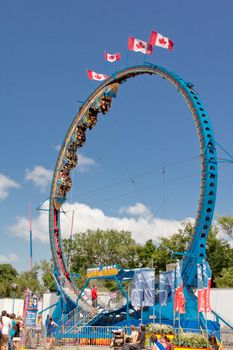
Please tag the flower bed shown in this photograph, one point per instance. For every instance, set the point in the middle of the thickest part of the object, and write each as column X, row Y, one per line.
column 188, row 348
column 190, row 340
column 182, row 341
column 160, row 329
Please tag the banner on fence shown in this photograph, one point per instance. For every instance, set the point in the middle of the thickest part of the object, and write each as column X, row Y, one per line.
column 166, row 286
column 143, row 288
column 179, row 299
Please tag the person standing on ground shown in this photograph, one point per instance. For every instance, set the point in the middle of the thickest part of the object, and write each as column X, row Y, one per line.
column 16, row 337
column 6, row 326
column 12, row 331
column 1, row 332
column 94, row 296
column 50, row 333
column 213, row 342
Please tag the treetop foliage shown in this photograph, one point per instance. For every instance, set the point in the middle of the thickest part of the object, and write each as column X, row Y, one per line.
column 107, row 247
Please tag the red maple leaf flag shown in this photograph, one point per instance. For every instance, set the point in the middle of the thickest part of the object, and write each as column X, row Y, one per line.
column 179, row 298
column 200, row 289
column 96, row 76
column 112, row 57
column 138, row 45
column 157, row 39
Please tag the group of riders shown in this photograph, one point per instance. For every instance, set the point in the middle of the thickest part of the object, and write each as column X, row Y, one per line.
column 71, row 159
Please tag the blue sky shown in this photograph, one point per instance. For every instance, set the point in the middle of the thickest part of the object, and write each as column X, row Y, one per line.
column 46, row 47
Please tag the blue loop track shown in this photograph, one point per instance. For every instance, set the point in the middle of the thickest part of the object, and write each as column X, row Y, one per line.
column 197, row 247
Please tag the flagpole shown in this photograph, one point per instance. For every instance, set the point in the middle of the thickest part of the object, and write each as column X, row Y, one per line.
column 154, row 314
column 30, row 235
column 174, row 311
column 106, row 67
column 142, row 311
column 179, row 328
column 160, row 313
column 126, row 59
column 205, row 295
column 144, row 59
column 175, row 286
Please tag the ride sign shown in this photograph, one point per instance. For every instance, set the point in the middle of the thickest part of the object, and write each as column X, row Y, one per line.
column 31, row 312
column 102, row 271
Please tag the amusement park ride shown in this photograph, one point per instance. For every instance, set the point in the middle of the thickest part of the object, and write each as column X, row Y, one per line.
column 71, row 303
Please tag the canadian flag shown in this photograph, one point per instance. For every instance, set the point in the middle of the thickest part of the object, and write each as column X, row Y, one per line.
column 112, row 57
column 138, row 45
column 96, row 76
column 200, row 289
column 179, row 298
column 207, row 274
column 157, row 39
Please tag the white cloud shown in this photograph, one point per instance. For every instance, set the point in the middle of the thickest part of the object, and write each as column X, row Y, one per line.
column 84, row 163
column 5, row 184
column 39, row 227
column 40, row 176
column 138, row 209
column 4, row 259
column 142, row 227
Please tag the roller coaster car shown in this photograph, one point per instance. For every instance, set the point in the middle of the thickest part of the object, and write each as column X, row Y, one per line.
column 65, row 187
column 56, row 232
column 91, row 121
column 71, row 156
column 92, row 112
column 67, row 183
column 80, row 135
column 59, row 252
column 56, row 229
column 73, row 146
column 105, row 104
column 61, row 191
column 81, row 128
column 68, row 166
column 64, row 172
column 81, row 139
column 71, row 163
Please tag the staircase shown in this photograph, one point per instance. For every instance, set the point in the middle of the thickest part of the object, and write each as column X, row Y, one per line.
column 78, row 318
column 84, row 314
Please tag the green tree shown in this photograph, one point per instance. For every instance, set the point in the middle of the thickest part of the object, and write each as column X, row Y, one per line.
column 145, row 254
column 178, row 242
column 46, row 269
column 29, row 279
column 101, row 247
column 8, row 275
column 226, row 223
column 225, row 279
column 219, row 252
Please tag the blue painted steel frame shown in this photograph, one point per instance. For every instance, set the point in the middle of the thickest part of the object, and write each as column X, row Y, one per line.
column 197, row 246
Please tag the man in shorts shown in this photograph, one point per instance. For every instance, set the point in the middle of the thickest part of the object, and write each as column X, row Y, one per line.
column 6, row 326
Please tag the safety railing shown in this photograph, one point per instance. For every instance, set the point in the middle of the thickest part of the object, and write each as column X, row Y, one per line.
column 33, row 338
column 106, row 300
column 103, row 336
column 226, row 336
column 87, row 335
